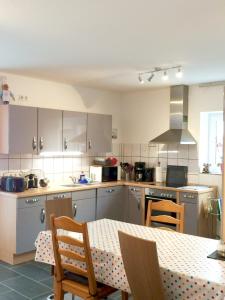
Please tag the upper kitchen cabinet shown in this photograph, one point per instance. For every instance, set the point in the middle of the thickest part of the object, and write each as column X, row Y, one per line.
column 74, row 131
column 99, row 133
column 18, row 129
column 49, row 130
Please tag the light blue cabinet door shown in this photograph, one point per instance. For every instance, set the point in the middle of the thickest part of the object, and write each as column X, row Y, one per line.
column 99, row 133
column 22, row 129
column 74, row 131
column 30, row 221
column 49, row 130
column 84, row 209
column 111, row 203
column 190, row 217
column 134, row 205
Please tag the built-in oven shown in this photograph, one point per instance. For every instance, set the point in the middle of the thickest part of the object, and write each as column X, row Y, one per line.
column 158, row 195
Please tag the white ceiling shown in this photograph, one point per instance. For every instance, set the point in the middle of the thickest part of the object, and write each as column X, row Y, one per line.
column 105, row 43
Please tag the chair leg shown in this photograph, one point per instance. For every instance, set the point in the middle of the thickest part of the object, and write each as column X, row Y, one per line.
column 58, row 291
column 124, row 295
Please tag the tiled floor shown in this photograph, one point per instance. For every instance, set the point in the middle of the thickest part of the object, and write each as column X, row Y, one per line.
column 30, row 280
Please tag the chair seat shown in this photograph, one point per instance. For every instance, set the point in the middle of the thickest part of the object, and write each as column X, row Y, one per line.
column 81, row 283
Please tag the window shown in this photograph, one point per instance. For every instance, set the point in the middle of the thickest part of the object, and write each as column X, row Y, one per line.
column 211, row 140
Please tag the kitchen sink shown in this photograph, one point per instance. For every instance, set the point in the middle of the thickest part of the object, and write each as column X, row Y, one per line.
column 76, row 184
column 71, row 184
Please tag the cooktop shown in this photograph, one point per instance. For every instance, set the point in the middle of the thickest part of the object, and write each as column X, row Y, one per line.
column 194, row 187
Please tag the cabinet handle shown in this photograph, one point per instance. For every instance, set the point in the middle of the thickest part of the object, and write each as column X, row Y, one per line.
column 34, row 143
column 41, row 143
column 65, row 144
column 42, row 216
column 74, row 210
column 110, row 191
column 138, row 204
column 89, row 144
column 58, row 197
column 31, row 201
column 133, row 189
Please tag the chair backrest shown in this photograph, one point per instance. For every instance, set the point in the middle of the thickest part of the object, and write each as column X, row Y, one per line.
column 166, row 206
column 142, row 267
column 77, row 262
column 58, row 207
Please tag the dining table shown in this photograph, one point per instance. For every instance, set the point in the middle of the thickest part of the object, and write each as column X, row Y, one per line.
column 186, row 271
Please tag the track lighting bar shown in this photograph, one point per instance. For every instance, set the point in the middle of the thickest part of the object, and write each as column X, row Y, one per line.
column 164, row 72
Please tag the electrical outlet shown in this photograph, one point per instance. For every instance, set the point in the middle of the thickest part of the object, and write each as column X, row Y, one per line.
column 22, row 98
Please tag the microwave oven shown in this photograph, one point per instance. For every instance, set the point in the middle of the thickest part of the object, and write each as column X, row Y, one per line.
column 103, row 173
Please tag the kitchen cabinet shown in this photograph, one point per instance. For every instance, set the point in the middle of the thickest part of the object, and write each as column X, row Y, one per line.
column 33, row 130
column 74, row 131
column 49, row 130
column 111, row 203
column 190, row 216
column 30, row 220
column 196, row 219
column 99, row 133
column 18, row 129
column 84, row 205
column 135, row 206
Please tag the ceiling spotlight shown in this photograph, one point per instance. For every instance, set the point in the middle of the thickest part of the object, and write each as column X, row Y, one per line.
column 179, row 73
column 150, row 77
column 165, row 76
column 140, row 79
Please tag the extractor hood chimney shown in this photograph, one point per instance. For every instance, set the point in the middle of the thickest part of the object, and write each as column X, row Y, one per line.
column 178, row 132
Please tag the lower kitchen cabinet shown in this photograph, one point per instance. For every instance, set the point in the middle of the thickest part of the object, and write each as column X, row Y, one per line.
column 190, row 216
column 84, row 205
column 111, row 203
column 30, row 220
column 135, row 205
column 196, row 220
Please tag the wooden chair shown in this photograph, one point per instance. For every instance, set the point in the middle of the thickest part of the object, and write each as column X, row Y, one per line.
column 166, row 206
column 68, row 277
column 142, row 267
column 58, row 207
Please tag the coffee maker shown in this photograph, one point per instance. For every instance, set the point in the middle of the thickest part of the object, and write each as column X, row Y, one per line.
column 149, row 174
column 139, row 171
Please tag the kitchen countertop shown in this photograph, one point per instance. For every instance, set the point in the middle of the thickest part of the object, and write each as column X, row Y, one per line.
column 63, row 189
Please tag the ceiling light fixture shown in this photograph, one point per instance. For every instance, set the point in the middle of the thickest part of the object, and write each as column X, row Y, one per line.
column 165, row 75
column 179, row 73
column 150, row 77
column 140, row 79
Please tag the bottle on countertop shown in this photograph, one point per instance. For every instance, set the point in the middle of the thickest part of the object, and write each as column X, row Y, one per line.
column 158, row 173
column 82, row 175
column 83, row 178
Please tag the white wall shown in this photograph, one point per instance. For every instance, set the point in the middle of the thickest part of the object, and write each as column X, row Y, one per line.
column 203, row 99
column 49, row 94
column 146, row 113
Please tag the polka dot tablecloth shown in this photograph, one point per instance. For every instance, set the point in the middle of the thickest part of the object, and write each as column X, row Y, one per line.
column 186, row 271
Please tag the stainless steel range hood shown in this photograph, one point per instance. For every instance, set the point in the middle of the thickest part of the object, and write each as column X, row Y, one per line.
column 178, row 132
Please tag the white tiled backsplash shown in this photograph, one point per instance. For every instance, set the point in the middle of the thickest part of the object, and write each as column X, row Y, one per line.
column 58, row 169
column 151, row 154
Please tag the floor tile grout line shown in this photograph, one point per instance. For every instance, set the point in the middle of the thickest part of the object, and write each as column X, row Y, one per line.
column 10, row 290
column 17, row 292
column 22, row 275
column 26, row 276
column 2, row 282
column 37, row 296
column 36, row 281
